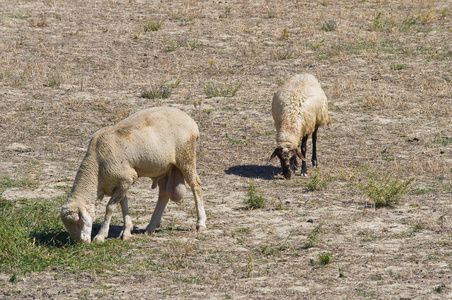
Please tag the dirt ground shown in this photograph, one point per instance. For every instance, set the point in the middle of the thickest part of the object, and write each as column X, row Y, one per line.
column 68, row 68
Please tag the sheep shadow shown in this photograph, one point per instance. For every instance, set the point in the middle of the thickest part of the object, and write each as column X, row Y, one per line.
column 115, row 230
column 60, row 238
column 254, row 171
column 51, row 238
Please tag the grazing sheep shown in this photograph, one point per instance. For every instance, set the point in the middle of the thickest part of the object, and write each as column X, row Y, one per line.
column 299, row 108
column 159, row 143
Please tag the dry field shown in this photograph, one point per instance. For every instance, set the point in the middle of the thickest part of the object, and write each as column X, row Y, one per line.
column 68, row 68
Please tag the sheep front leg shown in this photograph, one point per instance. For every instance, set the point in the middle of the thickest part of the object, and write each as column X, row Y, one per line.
column 162, row 201
column 103, row 232
column 126, row 232
column 304, row 168
column 314, row 148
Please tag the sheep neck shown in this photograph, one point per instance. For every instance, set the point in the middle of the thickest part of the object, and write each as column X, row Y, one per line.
column 86, row 181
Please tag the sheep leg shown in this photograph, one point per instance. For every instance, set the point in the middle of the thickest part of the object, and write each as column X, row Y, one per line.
column 126, row 232
column 162, row 201
column 112, row 203
column 195, row 184
column 314, row 148
column 304, row 168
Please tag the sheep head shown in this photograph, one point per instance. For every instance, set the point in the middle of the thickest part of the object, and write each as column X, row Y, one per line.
column 78, row 222
column 287, row 154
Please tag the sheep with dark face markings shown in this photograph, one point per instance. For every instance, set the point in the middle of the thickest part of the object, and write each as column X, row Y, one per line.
column 159, row 143
column 299, row 108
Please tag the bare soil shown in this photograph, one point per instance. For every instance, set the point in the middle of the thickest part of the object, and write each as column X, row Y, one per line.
column 68, row 68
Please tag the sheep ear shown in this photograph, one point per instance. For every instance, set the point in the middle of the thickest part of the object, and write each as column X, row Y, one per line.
column 85, row 218
column 300, row 155
column 276, row 152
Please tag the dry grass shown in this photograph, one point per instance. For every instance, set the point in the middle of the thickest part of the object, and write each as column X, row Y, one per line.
column 68, row 68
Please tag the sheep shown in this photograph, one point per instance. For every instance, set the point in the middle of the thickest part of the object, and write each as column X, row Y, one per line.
column 159, row 143
column 299, row 108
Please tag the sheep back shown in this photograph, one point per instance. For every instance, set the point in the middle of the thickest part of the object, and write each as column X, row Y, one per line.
column 146, row 144
column 299, row 106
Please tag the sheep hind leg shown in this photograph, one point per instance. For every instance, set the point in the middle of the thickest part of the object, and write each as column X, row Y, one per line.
column 126, row 232
column 162, row 201
column 314, row 148
column 192, row 179
column 304, row 168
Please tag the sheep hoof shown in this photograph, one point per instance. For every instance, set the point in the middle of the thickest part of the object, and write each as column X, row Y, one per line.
column 98, row 239
column 304, row 174
column 200, row 228
column 125, row 237
column 149, row 232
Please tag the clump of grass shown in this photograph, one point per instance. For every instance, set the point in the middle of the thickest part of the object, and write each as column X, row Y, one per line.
column 53, row 80
column 384, row 191
column 190, row 43
column 226, row 90
column 161, row 92
column 254, row 201
column 271, row 13
column 329, row 25
column 15, row 80
column 313, row 237
column 316, row 45
column 285, row 34
column 398, row 67
column 151, row 25
column 443, row 13
column 316, row 183
column 249, row 267
column 427, row 17
column 235, row 141
column 381, row 23
column 439, row 289
column 18, row 15
column 193, row 44
column 172, row 46
column 443, row 140
column 285, row 53
column 325, row 258
column 274, row 249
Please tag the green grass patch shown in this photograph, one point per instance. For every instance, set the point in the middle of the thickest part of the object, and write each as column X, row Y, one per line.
column 54, row 79
column 397, row 66
column 442, row 140
column 235, row 141
column 313, row 237
column 439, row 289
column 383, row 190
column 221, row 90
column 254, row 201
column 316, row 183
column 7, row 182
column 413, row 23
column 162, row 92
column 325, row 258
column 33, row 239
column 329, row 25
column 151, row 25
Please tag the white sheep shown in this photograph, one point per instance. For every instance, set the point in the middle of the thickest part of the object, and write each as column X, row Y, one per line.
column 299, row 108
column 159, row 143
